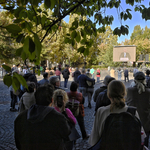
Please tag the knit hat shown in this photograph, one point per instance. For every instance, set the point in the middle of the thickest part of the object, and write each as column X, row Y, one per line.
column 106, row 79
column 139, row 76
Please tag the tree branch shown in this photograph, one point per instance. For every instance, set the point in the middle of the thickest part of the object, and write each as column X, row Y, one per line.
column 61, row 17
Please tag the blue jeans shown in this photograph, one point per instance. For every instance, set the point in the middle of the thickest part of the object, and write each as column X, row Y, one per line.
column 65, row 83
column 98, row 79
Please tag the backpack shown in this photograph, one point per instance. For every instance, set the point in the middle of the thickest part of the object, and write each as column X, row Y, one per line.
column 89, row 83
column 73, row 105
column 122, row 131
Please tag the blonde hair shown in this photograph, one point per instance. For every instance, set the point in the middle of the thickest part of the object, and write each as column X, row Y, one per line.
column 116, row 91
column 62, row 93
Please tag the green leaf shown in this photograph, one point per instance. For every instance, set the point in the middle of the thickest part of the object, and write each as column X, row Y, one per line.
column 19, row 51
column 18, row 20
column 83, row 33
column 19, row 38
column 31, row 45
column 38, row 46
column 75, row 24
column 53, row 2
column 86, row 52
column 21, row 80
column 121, row 15
column 47, row 3
column 23, row 56
column 7, row 68
column 26, row 45
column 78, row 38
column 81, row 49
column 39, row 72
column 15, row 83
column 74, row 34
column 7, row 80
column 129, row 15
column 12, row 28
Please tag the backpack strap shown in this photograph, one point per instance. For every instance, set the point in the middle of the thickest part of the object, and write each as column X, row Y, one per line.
column 131, row 110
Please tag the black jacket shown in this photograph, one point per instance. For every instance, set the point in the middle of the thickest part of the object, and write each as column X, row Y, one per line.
column 102, row 100
column 76, row 74
column 41, row 128
column 65, row 73
column 99, row 90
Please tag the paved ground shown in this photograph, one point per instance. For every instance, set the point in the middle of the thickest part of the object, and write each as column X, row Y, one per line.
column 7, row 118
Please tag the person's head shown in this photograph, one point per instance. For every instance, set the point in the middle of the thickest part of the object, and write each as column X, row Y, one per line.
column 88, row 70
column 31, row 87
column 97, row 68
column 60, row 96
column 54, row 80
column 83, row 71
column 110, row 79
column 45, row 75
column 140, row 81
column 73, row 86
column 77, row 68
column 106, row 79
column 147, row 72
column 116, row 92
column 43, row 95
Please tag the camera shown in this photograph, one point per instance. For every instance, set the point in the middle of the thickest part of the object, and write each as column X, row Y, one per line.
column 60, row 101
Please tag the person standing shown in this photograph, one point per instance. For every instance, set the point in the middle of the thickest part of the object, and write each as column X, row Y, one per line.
column 92, row 72
column 83, row 86
column 58, row 73
column 98, row 74
column 76, row 74
column 65, row 74
column 135, row 71
column 80, row 118
column 90, row 88
column 44, row 80
column 37, row 127
column 119, row 74
column 139, row 97
column 126, row 75
column 112, row 73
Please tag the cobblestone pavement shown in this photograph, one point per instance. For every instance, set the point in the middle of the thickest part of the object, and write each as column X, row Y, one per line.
column 7, row 119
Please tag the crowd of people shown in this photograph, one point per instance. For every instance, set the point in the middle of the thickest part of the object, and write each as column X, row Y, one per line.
column 46, row 121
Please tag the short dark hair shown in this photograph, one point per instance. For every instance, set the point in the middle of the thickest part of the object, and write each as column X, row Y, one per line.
column 45, row 74
column 73, row 86
column 31, row 87
column 44, row 94
column 147, row 72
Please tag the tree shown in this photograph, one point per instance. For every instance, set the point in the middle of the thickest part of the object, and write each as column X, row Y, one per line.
column 7, row 44
column 29, row 22
column 137, row 33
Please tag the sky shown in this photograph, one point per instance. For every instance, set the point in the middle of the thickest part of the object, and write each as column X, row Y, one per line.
column 136, row 19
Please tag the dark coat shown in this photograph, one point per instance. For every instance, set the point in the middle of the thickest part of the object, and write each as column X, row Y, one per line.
column 38, row 129
column 65, row 73
column 102, row 100
column 142, row 102
column 98, row 91
column 126, row 73
column 76, row 74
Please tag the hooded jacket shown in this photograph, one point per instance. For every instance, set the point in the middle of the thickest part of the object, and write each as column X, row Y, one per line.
column 66, row 73
column 41, row 127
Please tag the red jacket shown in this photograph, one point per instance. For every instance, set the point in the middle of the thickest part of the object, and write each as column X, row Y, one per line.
column 79, row 98
column 99, row 73
column 57, row 72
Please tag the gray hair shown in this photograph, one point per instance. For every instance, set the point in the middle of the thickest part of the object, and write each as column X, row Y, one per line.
column 141, row 84
column 53, row 80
